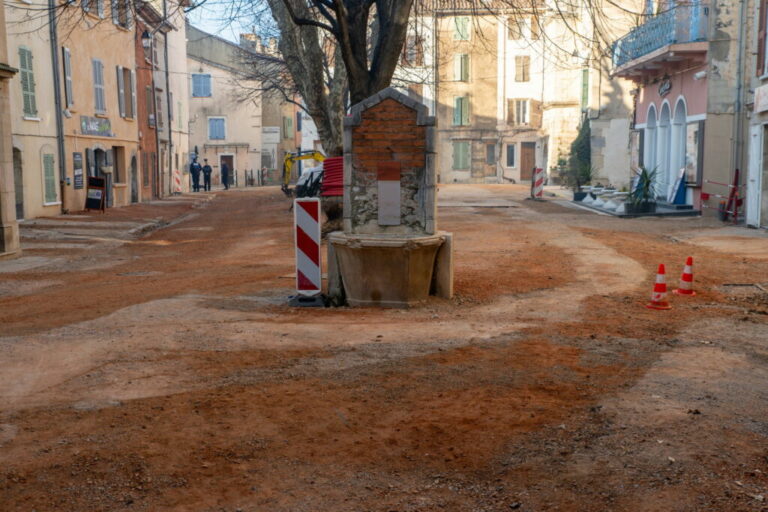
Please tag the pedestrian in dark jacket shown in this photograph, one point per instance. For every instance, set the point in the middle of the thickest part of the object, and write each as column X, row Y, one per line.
column 207, row 171
column 225, row 175
column 195, row 169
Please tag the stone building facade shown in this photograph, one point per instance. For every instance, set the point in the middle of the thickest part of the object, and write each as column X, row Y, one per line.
column 9, row 228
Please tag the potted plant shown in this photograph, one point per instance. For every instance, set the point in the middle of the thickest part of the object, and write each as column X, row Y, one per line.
column 577, row 177
column 642, row 198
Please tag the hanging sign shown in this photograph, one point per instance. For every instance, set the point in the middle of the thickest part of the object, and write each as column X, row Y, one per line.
column 665, row 87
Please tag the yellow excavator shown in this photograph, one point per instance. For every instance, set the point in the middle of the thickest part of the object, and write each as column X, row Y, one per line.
column 308, row 185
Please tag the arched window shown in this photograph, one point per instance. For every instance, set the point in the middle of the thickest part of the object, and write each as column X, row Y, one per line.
column 662, row 149
column 649, row 151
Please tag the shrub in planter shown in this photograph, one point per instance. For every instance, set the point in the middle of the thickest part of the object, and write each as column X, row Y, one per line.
column 642, row 199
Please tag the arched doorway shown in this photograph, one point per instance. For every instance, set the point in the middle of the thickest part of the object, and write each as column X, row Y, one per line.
column 134, row 180
column 677, row 146
column 649, row 156
column 18, row 183
column 662, row 153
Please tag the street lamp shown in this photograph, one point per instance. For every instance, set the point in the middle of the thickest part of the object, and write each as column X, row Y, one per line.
column 146, row 39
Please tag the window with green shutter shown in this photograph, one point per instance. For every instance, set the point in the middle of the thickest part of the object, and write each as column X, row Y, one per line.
column 50, row 178
column 461, row 111
column 461, row 155
column 461, row 28
column 27, row 76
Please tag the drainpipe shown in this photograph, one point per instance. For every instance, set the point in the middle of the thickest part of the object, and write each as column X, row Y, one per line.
column 168, row 100
column 738, row 105
column 52, row 10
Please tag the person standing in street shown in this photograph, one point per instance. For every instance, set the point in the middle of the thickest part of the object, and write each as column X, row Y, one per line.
column 195, row 169
column 207, row 171
column 225, row 175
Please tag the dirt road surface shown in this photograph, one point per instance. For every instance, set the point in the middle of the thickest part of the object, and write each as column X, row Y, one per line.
column 153, row 365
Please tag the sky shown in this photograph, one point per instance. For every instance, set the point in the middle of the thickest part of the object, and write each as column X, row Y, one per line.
column 214, row 17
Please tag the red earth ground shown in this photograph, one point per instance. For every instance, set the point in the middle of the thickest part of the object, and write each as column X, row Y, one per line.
column 166, row 372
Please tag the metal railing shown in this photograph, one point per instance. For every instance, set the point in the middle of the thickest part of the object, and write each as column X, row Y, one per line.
column 685, row 22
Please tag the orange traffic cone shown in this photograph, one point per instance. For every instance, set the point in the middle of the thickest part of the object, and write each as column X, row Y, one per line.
column 659, row 296
column 686, row 280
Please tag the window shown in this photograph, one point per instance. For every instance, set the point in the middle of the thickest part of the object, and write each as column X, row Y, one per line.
column 518, row 112
column 67, row 64
column 522, row 68
column 461, row 111
column 514, row 29
column 27, row 75
column 287, row 127
column 121, row 13
column 217, row 129
column 461, row 67
column 461, row 28
column 461, row 155
column 413, row 52
column 100, row 8
column 584, row 89
column 490, row 154
column 98, row 87
column 49, row 174
column 126, row 92
column 150, row 106
column 510, row 155
column 201, row 85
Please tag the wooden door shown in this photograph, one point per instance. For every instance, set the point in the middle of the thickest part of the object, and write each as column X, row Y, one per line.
column 18, row 183
column 527, row 160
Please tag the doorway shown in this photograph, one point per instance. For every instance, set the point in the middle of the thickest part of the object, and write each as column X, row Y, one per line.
column 764, row 181
column 527, row 160
column 134, row 180
column 18, row 183
column 230, row 161
column 101, row 160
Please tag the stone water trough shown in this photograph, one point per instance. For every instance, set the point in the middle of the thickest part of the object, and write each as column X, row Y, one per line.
column 390, row 253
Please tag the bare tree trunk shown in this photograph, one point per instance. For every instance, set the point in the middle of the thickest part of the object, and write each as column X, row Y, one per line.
column 302, row 51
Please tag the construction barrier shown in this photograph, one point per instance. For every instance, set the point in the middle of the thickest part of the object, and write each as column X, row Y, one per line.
column 176, row 181
column 686, row 280
column 307, row 222
column 537, row 186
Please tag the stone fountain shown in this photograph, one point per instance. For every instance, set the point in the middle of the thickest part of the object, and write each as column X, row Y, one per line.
column 390, row 253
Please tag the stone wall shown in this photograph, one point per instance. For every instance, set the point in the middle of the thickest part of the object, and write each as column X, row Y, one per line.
column 389, row 127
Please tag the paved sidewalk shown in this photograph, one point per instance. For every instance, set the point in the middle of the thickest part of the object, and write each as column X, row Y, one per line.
column 48, row 243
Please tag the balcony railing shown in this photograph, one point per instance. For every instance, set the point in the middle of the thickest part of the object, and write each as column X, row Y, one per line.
column 683, row 23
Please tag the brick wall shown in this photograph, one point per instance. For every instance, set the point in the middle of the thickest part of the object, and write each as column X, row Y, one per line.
column 388, row 131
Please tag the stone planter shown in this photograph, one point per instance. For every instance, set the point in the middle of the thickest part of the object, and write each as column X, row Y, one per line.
column 386, row 271
column 579, row 196
column 639, row 208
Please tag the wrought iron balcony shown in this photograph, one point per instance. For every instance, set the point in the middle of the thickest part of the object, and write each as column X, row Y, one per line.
column 685, row 22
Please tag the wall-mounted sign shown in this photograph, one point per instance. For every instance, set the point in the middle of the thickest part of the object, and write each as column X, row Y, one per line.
column 96, row 126
column 665, row 87
column 270, row 135
column 761, row 98
column 77, row 160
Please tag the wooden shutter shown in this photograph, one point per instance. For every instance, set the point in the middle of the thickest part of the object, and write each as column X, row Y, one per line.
column 535, row 113
column 535, row 27
column 133, row 94
column 67, row 63
column 464, row 65
column 195, row 85
column 760, row 68
column 457, row 111
column 465, row 111
column 50, row 178
column 27, row 73
column 120, row 91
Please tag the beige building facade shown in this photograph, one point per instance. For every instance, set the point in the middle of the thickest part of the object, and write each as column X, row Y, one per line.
column 9, row 228
column 225, row 124
column 36, row 162
column 99, row 98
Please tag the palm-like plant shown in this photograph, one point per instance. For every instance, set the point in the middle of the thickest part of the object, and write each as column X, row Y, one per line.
column 645, row 190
